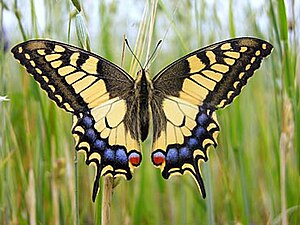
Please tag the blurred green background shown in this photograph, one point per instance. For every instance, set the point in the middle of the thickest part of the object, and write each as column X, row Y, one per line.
column 251, row 178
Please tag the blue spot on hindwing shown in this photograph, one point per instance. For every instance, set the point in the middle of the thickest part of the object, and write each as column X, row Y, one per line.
column 192, row 142
column 184, row 154
column 91, row 135
column 87, row 122
column 99, row 144
column 200, row 131
column 172, row 156
column 203, row 119
column 108, row 155
column 121, row 157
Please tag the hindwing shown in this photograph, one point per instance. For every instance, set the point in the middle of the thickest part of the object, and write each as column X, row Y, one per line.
column 98, row 93
column 186, row 95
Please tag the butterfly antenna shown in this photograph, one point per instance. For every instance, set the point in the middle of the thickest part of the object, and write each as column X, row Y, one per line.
column 152, row 57
column 127, row 43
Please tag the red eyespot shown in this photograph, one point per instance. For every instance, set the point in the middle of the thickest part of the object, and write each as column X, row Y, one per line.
column 134, row 159
column 158, row 158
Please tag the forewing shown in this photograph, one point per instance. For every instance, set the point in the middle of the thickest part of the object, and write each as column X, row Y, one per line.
column 98, row 94
column 75, row 79
column 186, row 95
column 213, row 76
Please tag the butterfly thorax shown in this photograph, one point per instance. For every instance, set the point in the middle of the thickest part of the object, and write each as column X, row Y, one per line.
column 143, row 91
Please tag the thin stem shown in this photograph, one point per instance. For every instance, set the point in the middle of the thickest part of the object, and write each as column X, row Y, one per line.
column 76, row 188
column 106, row 199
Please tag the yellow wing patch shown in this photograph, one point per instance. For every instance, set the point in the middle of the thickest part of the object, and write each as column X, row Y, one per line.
column 90, row 65
column 180, row 116
column 109, row 122
column 195, row 64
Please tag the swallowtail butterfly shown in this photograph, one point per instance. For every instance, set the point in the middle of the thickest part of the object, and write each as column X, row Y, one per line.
column 112, row 112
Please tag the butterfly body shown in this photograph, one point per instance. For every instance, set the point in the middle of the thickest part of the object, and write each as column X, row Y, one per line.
column 112, row 112
column 144, row 89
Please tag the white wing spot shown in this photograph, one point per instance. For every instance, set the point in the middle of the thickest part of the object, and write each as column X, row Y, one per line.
column 241, row 75
column 248, row 67
column 38, row 71
column 20, row 50
column 32, row 63
column 52, row 88
column 27, row 56
column 235, row 84
column 46, row 79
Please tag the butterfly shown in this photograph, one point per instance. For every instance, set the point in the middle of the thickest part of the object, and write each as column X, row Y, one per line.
column 112, row 112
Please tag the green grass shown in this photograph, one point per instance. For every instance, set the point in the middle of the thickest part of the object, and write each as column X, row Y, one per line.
column 251, row 178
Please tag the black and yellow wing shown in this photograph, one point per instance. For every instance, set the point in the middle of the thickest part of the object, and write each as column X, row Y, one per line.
column 186, row 95
column 98, row 93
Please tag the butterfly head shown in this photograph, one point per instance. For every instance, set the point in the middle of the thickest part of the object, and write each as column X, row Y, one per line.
column 143, row 83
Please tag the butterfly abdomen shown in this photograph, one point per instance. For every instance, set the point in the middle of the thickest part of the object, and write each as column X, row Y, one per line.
column 143, row 91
